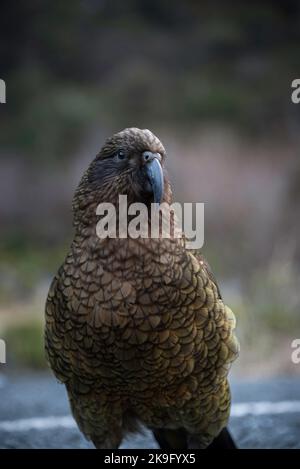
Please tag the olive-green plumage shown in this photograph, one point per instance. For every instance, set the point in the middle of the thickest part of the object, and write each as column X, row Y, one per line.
column 136, row 328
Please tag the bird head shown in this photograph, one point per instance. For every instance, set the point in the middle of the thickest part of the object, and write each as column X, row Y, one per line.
column 131, row 162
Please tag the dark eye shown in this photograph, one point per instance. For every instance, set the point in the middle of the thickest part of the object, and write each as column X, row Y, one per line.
column 120, row 155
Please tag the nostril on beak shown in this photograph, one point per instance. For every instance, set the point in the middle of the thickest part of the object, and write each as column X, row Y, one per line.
column 149, row 156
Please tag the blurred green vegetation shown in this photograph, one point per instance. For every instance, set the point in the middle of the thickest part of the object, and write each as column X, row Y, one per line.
column 24, row 264
column 80, row 69
column 142, row 61
column 25, row 344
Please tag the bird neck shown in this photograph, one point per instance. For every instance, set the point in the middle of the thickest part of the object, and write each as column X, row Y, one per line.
column 87, row 203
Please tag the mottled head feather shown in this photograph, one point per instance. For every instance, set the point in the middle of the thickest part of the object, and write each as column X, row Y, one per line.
column 132, row 139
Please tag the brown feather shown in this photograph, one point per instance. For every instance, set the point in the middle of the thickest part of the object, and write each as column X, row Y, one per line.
column 136, row 328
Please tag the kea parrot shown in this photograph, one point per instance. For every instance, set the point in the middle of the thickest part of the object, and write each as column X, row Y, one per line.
column 136, row 328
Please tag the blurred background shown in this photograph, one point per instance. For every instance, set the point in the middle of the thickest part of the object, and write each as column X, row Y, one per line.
column 213, row 81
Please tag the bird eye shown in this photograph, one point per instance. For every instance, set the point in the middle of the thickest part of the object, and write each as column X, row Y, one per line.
column 120, row 155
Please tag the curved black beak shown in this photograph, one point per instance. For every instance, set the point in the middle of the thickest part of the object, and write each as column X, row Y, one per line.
column 154, row 173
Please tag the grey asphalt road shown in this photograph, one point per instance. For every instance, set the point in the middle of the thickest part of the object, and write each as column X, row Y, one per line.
column 34, row 413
